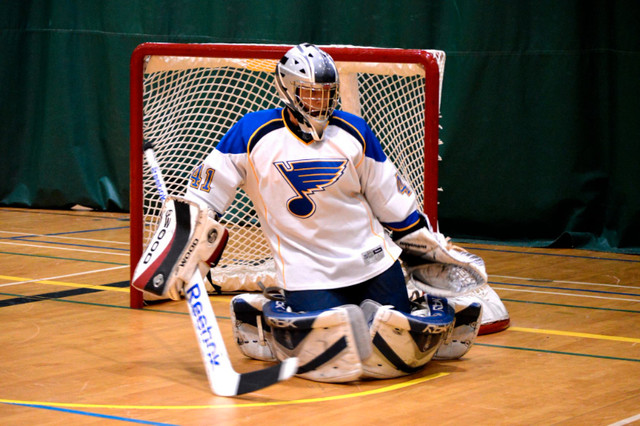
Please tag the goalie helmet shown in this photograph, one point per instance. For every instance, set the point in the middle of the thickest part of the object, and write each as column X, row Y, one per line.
column 307, row 81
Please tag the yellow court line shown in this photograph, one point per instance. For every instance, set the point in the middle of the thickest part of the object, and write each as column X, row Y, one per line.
column 575, row 334
column 66, row 284
column 512, row 328
column 251, row 404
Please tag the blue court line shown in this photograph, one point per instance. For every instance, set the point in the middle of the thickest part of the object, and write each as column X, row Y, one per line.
column 59, row 243
column 32, row 238
column 62, row 258
column 557, row 254
column 20, row 300
column 564, row 305
column 88, row 413
column 70, row 232
column 95, row 214
column 102, row 305
column 567, row 289
column 556, row 352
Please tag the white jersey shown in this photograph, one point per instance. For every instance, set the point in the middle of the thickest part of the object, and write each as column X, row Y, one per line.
column 321, row 204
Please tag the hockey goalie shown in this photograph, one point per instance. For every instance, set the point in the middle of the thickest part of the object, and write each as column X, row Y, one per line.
column 366, row 287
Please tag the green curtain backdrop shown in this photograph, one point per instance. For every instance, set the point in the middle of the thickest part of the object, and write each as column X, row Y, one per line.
column 541, row 101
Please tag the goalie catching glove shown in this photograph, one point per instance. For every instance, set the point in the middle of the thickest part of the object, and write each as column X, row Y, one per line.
column 432, row 259
column 187, row 237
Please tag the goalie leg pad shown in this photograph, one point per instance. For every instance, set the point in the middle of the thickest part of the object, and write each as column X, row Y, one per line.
column 250, row 330
column 468, row 311
column 187, row 238
column 495, row 316
column 329, row 344
column 402, row 343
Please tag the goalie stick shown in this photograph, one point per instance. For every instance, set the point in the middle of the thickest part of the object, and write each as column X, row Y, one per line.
column 223, row 379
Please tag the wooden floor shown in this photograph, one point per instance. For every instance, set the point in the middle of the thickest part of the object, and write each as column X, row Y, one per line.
column 72, row 352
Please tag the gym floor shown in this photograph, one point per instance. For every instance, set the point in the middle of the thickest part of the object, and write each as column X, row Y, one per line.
column 73, row 352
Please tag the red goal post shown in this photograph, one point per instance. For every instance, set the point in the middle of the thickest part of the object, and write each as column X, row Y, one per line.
column 184, row 97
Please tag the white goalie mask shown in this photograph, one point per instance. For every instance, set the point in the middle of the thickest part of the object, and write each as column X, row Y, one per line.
column 307, row 81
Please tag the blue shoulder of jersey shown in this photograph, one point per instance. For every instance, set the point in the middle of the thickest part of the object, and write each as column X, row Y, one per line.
column 360, row 130
column 249, row 129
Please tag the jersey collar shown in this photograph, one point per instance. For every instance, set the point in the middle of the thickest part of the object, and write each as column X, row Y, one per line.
column 295, row 129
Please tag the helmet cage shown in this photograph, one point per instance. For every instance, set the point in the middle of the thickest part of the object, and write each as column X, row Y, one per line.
column 307, row 81
column 317, row 100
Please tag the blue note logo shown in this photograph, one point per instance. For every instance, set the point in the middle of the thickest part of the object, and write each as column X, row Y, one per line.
column 306, row 177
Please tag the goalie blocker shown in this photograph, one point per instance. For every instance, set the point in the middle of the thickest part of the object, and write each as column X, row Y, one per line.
column 187, row 237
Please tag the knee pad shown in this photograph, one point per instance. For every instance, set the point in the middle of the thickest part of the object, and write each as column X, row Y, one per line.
column 329, row 344
column 250, row 330
column 404, row 343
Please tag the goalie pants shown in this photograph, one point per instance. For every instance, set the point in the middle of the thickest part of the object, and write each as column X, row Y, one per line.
column 388, row 288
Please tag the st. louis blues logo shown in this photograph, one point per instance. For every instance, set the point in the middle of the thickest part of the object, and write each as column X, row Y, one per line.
column 307, row 177
column 403, row 186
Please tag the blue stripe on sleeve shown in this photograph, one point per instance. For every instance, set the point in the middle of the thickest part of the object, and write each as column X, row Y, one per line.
column 410, row 221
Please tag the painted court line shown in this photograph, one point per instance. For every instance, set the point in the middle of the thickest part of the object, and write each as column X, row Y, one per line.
column 29, row 280
column 62, row 295
column 555, row 254
column 21, row 235
column 584, row 290
column 565, row 282
column 242, row 405
column 63, row 248
column 87, row 413
column 565, row 294
column 575, row 334
column 626, row 421
column 66, row 284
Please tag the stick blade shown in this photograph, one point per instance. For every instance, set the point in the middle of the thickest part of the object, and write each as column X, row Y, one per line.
column 252, row 381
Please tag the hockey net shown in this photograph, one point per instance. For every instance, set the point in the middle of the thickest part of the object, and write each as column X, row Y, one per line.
column 184, row 97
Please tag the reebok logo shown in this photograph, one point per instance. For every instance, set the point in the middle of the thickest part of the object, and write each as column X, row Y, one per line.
column 204, row 329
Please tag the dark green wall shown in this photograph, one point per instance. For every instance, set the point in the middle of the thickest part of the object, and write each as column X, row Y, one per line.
column 540, row 105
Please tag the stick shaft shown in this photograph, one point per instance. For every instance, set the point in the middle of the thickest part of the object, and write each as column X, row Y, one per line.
column 161, row 186
column 223, row 379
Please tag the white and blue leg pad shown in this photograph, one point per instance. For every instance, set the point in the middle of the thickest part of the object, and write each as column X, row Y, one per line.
column 470, row 311
column 329, row 344
column 467, row 324
column 404, row 343
column 250, row 330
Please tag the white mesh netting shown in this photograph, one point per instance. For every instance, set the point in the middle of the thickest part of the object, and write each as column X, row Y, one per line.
column 190, row 102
